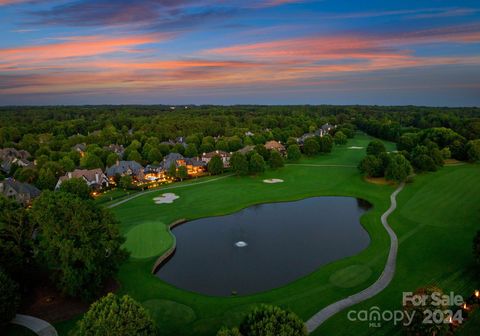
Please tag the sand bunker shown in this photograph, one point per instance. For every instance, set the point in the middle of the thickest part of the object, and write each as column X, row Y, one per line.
column 355, row 147
column 272, row 181
column 167, row 198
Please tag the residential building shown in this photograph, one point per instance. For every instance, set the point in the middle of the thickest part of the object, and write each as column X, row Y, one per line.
column 125, row 168
column 94, row 178
column 7, row 163
column 276, row 146
column 194, row 166
column 247, row 149
column 117, row 149
column 325, row 129
column 6, row 153
column 80, row 148
column 225, row 156
column 23, row 193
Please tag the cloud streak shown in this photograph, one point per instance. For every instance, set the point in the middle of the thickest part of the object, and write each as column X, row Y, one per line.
column 134, row 47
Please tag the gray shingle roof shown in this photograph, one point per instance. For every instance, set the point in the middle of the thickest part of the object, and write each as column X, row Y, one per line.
column 123, row 166
column 22, row 188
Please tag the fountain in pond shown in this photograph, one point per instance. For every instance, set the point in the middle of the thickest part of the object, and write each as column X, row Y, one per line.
column 240, row 244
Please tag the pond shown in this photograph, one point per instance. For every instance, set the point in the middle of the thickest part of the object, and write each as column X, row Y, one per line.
column 264, row 246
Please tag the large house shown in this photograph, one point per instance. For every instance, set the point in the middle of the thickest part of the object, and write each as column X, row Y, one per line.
column 6, row 164
column 247, row 149
column 12, row 156
column 194, row 166
column 225, row 156
column 125, row 168
column 325, row 129
column 117, row 149
column 276, row 146
column 80, row 148
column 178, row 141
column 94, row 178
column 23, row 193
column 14, row 153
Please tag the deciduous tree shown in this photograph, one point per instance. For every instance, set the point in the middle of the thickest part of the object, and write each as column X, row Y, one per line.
column 79, row 242
column 311, row 147
column 276, row 160
column 375, row 147
column 293, row 153
column 215, row 165
column 77, row 187
column 239, row 163
column 257, row 164
column 399, row 168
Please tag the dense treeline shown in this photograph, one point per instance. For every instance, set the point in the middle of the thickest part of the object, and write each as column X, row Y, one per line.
column 149, row 133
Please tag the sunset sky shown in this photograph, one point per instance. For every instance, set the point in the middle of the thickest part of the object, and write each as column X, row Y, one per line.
column 235, row 52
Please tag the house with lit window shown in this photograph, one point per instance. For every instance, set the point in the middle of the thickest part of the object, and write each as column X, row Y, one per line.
column 225, row 156
column 125, row 168
column 94, row 178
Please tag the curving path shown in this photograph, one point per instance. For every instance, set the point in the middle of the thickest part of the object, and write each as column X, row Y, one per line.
column 382, row 282
column 38, row 326
column 166, row 188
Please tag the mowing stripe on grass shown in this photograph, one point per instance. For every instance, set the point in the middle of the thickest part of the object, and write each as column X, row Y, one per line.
column 385, row 278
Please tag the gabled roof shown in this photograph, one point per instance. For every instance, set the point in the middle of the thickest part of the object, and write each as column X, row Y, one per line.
column 275, row 145
column 327, row 127
column 246, row 149
column 115, row 148
column 21, row 188
column 215, row 153
column 194, row 162
column 81, row 147
column 172, row 158
column 306, row 136
column 121, row 167
column 14, row 153
column 88, row 174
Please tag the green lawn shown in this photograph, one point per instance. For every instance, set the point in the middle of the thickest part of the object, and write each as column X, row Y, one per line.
column 436, row 219
column 179, row 312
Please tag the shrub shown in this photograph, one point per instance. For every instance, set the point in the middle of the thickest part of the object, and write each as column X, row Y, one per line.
column 272, row 321
column 114, row 315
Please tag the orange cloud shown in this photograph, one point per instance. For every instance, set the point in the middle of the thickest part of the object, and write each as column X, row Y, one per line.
column 99, row 63
column 81, row 46
column 11, row 2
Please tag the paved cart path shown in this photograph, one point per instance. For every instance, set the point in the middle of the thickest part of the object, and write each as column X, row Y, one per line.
column 38, row 326
column 385, row 278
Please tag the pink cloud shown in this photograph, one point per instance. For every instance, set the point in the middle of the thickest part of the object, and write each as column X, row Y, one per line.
column 74, row 47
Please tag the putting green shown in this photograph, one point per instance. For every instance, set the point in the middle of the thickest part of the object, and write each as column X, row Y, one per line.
column 351, row 276
column 146, row 240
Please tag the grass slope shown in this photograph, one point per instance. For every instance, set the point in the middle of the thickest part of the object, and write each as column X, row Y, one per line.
column 436, row 219
column 179, row 312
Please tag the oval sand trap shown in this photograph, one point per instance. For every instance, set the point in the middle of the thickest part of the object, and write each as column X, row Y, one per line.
column 271, row 181
column 355, row 147
column 167, row 198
